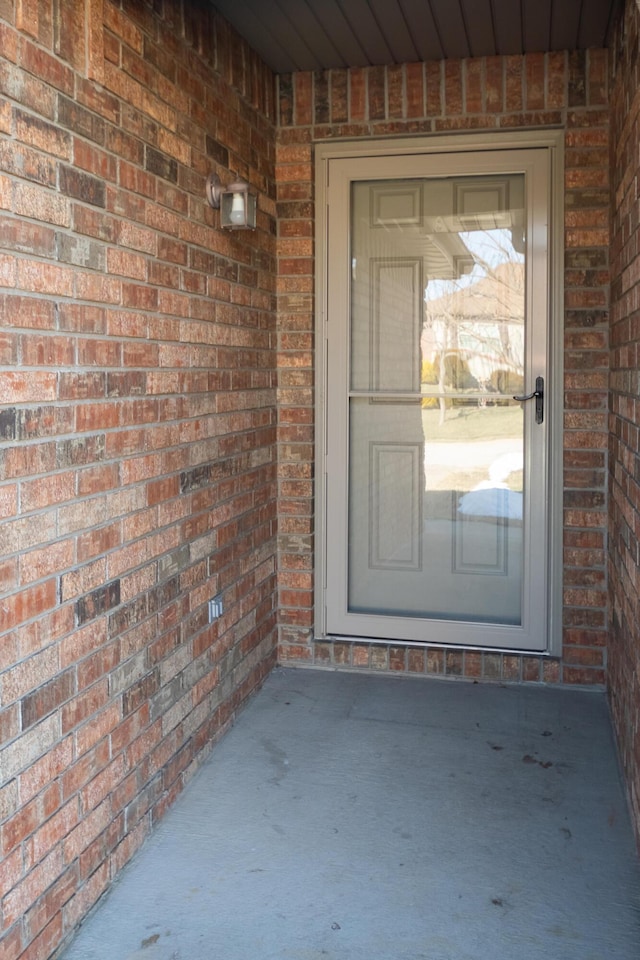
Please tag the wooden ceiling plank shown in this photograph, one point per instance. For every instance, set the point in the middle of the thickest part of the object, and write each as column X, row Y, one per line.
column 265, row 41
column 289, row 35
column 451, row 27
column 264, row 26
column 565, row 23
column 507, row 23
column 615, row 11
column 423, row 29
column 594, row 23
column 390, row 18
column 479, row 21
column 361, row 20
column 334, row 23
column 320, row 41
column 536, row 25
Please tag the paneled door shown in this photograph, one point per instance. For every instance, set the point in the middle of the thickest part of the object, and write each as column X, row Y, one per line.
column 436, row 475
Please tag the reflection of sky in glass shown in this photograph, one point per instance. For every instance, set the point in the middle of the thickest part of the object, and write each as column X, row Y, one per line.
column 489, row 248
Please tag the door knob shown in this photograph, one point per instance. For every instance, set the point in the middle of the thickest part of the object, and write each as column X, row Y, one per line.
column 538, row 394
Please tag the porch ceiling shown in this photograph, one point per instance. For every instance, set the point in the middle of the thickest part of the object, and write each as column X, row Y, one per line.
column 295, row 35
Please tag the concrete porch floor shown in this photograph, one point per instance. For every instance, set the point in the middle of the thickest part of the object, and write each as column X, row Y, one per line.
column 358, row 817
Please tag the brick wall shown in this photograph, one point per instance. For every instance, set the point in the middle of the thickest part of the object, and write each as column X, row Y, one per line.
column 137, row 432
column 624, row 413
column 570, row 91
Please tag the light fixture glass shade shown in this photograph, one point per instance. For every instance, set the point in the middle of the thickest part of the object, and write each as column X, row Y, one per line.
column 237, row 206
column 237, row 214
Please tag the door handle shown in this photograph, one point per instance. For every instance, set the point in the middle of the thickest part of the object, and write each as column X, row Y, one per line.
column 538, row 393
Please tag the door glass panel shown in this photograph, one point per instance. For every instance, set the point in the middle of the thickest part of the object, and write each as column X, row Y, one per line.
column 436, row 444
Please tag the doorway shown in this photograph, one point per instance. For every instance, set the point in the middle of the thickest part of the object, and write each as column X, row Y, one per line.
column 436, row 320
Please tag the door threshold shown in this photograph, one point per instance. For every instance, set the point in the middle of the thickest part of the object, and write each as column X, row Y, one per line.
column 430, row 645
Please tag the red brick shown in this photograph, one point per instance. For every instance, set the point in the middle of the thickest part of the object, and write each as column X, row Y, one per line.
column 47, row 698
column 435, row 88
column 102, row 289
column 122, row 27
column 52, row 832
column 12, row 944
column 535, row 81
column 41, row 947
column 556, row 80
column 8, row 500
column 79, row 773
column 70, row 39
column 494, row 84
column 9, row 42
column 84, row 705
column 87, row 895
column 94, row 160
column 414, row 83
column 98, row 727
column 473, row 86
column 45, row 278
column 95, row 223
column 43, row 135
column 45, row 909
column 97, row 416
column 20, row 826
column 27, row 237
column 47, row 351
column 47, row 491
column 8, row 271
column 34, row 884
column 6, row 192
column 45, row 770
column 29, row 603
column 357, row 94
column 453, row 87
column 41, row 64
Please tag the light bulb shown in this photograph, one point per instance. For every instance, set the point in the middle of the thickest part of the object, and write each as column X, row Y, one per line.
column 236, row 214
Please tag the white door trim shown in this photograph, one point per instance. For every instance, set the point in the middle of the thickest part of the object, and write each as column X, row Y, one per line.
column 552, row 141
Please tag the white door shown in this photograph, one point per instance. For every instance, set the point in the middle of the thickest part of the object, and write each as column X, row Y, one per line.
column 436, row 478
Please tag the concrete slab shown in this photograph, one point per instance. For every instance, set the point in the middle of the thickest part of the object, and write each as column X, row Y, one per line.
column 358, row 817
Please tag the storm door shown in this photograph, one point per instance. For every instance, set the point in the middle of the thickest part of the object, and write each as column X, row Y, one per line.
column 437, row 399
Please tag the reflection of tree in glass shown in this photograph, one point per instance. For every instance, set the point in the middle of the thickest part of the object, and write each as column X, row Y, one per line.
column 473, row 332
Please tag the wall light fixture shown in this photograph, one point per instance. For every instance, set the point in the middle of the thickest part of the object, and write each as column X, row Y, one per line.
column 236, row 204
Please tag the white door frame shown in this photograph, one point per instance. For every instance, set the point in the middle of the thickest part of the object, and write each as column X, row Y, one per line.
column 552, row 141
